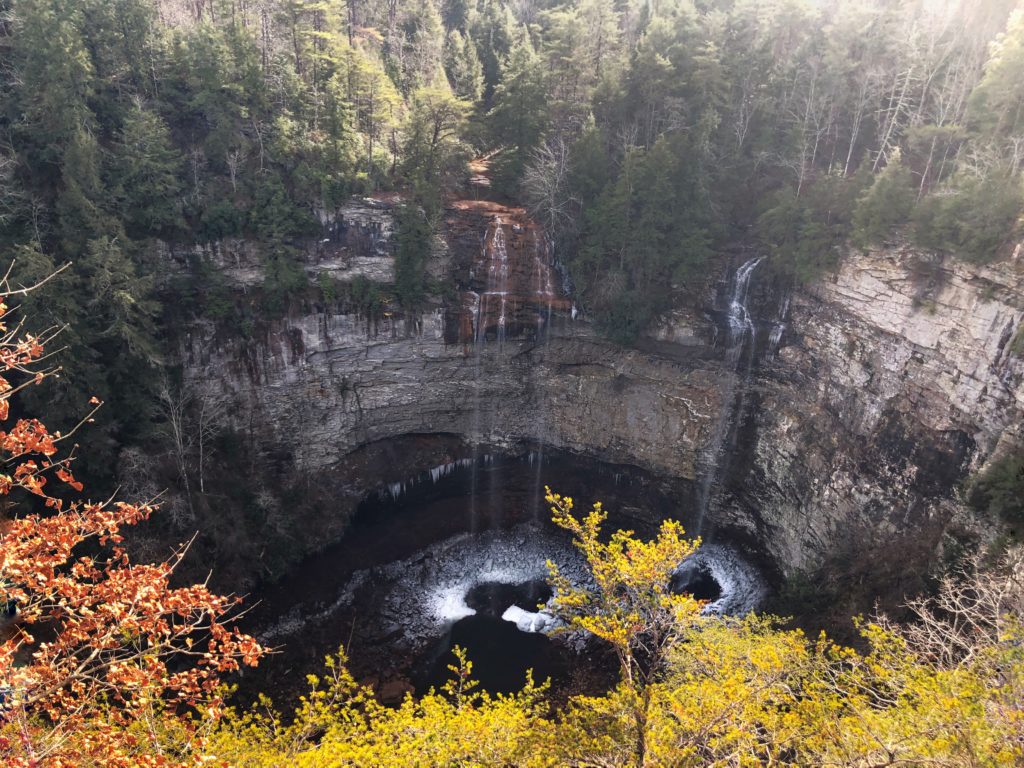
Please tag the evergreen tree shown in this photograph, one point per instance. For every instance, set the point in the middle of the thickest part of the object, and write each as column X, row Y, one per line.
column 970, row 216
column 462, row 65
column 147, row 174
column 997, row 104
column 491, row 28
column 435, row 157
column 885, row 205
column 519, row 114
column 414, row 237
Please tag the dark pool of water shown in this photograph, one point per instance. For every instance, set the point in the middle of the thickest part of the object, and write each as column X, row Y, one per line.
column 499, row 493
column 501, row 654
column 491, row 599
column 696, row 579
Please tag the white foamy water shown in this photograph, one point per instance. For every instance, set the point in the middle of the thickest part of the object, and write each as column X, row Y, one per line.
column 743, row 588
column 422, row 596
column 525, row 621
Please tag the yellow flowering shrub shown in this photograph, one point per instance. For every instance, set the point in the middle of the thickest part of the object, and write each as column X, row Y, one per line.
column 944, row 691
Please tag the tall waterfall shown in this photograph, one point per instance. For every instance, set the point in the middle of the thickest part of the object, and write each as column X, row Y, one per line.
column 544, row 291
column 740, row 354
column 495, row 252
column 509, row 296
column 779, row 327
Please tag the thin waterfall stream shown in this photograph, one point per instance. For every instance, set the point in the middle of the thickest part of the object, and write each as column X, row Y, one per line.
column 544, row 291
column 739, row 353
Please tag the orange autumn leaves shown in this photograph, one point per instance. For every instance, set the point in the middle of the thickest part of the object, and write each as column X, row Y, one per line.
column 105, row 663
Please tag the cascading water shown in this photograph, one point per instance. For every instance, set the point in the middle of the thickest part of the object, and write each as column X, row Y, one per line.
column 740, row 325
column 510, row 294
column 496, row 253
column 477, row 409
column 740, row 353
column 493, row 299
column 544, row 290
column 779, row 327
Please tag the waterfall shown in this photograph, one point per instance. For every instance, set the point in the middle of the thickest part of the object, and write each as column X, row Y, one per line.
column 742, row 340
column 515, row 296
column 544, row 291
column 497, row 281
column 740, row 325
column 543, row 286
column 779, row 327
column 492, row 299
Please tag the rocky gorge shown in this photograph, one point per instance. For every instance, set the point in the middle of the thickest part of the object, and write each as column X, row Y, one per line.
column 822, row 433
column 875, row 390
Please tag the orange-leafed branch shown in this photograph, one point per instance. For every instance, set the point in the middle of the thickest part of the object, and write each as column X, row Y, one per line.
column 102, row 661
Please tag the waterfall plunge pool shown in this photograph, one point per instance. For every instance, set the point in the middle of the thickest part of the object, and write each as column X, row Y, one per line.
column 457, row 556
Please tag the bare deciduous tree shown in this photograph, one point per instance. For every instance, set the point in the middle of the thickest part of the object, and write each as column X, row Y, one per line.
column 11, row 197
column 174, row 403
column 210, row 409
column 194, row 416
column 547, row 188
column 233, row 160
column 976, row 608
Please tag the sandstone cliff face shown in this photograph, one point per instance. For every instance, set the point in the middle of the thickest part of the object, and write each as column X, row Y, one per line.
column 897, row 377
column 893, row 379
column 358, row 240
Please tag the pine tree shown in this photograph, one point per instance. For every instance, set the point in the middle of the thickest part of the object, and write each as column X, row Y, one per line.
column 148, row 171
column 885, row 205
column 519, row 114
column 462, row 65
column 435, row 157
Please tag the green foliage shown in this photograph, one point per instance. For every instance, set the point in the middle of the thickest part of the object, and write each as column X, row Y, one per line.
column 462, row 65
column 971, row 216
column 806, row 233
column 276, row 217
column 519, row 114
column 147, row 177
column 1017, row 343
column 213, row 293
column 998, row 101
column 673, row 127
column 368, row 297
column 590, row 167
column 436, row 158
column 884, row 206
column 284, row 278
column 414, row 235
column 329, row 288
column 646, row 233
column 999, row 490
column 490, row 27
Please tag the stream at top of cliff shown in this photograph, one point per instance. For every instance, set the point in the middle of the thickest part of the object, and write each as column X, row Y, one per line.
column 457, row 555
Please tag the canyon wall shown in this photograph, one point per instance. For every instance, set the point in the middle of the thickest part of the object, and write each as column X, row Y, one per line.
column 897, row 377
column 870, row 394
